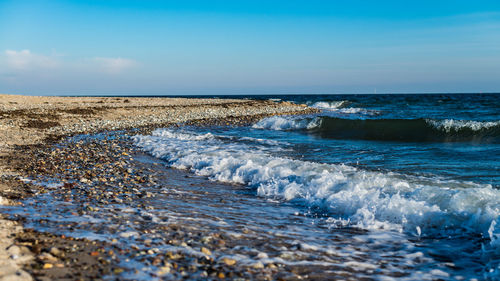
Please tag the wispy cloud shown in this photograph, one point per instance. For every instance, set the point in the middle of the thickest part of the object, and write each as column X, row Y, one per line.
column 25, row 60
column 114, row 65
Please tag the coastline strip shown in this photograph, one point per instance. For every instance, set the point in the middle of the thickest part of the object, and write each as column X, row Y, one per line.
column 29, row 121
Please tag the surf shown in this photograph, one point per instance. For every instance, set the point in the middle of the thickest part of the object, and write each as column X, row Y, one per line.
column 404, row 130
column 347, row 195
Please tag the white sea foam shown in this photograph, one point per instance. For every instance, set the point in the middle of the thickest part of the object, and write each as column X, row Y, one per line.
column 328, row 105
column 357, row 110
column 351, row 110
column 263, row 141
column 183, row 136
column 287, row 123
column 370, row 200
column 338, row 107
column 450, row 125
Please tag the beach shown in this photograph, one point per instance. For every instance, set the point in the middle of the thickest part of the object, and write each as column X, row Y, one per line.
column 31, row 126
column 315, row 187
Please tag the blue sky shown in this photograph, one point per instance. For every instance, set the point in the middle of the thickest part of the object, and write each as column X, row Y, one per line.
column 248, row 47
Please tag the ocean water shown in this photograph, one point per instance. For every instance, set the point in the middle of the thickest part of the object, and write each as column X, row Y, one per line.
column 419, row 174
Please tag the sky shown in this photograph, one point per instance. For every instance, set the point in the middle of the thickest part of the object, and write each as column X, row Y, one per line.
column 248, row 47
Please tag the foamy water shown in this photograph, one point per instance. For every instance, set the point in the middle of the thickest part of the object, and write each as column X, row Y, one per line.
column 415, row 206
column 332, row 105
column 340, row 108
column 450, row 125
column 369, row 200
column 288, row 123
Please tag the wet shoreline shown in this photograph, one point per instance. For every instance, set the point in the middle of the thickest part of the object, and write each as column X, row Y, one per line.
column 95, row 206
column 67, row 192
column 102, row 187
column 31, row 126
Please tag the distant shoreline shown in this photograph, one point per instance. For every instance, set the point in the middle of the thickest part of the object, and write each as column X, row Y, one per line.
column 248, row 96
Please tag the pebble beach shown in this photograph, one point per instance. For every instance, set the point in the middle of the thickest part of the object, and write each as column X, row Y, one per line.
column 295, row 187
column 67, row 147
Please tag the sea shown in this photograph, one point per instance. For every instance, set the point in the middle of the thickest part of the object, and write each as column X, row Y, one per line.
column 420, row 173
column 372, row 187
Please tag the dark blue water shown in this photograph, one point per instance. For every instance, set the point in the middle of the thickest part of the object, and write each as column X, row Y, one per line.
column 451, row 136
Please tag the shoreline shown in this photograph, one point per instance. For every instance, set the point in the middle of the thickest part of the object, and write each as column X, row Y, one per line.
column 29, row 124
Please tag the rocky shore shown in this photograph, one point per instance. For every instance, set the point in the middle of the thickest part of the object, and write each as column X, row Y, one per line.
column 34, row 144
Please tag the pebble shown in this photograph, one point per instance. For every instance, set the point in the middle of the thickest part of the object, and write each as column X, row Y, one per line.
column 163, row 270
column 262, row 255
column 55, row 252
column 48, row 266
column 206, row 251
column 258, row 265
column 229, row 261
column 47, row 257
column 14, row 250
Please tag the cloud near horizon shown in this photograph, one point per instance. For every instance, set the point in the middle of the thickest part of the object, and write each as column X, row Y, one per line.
column 114, row 65
column 25, row 61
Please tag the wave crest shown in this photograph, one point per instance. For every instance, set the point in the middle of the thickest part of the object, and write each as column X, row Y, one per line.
column 449, row 125
column 407, row 130
column 338, row 107
column 329, row 105
column 282, row 123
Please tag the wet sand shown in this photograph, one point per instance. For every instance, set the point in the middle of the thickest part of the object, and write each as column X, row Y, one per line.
column 29, row 129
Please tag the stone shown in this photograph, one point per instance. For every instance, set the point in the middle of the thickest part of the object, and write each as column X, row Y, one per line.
column 206, row 251
column 48, row 266
column 47, row 257
column 262, row 255
column 163, row 270
column 55, row 252
column 258, row 265
column 229, row 261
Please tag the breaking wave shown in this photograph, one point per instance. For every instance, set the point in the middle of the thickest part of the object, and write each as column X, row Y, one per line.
column 349, row 196
column 339, row 107
column 408, row 130
column 281, row 123
column 450, row 125
column 329, row 105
